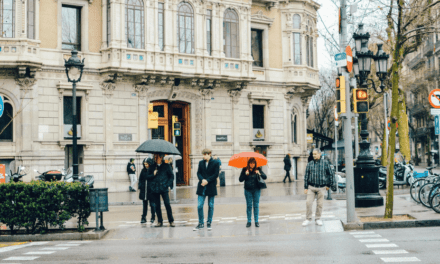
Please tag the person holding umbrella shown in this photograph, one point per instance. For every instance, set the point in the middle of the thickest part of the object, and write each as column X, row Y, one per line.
column 207, row 174
column 145, row 192
column 252, row 191
column 161, row 176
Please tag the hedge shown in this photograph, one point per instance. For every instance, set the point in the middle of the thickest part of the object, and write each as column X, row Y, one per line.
column 37, row 205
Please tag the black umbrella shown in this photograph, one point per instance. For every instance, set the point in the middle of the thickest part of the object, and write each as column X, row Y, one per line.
column 158, row 146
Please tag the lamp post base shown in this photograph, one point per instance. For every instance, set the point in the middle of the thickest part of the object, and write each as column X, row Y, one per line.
column 368, row 200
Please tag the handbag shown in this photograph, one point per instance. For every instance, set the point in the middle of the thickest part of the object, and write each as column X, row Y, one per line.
column 261, row 182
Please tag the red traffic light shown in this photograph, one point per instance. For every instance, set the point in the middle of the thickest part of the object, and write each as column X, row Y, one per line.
column 338, row 82
column 361, row 94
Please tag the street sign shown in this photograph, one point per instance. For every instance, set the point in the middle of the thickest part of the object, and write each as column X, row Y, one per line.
column 349, row 58
column 309, row 138
column 437, row 125
column 2, row 106
column 435, row 111
column 389, row 125
column 341, row 59
column 434, row 98
column 153, row 120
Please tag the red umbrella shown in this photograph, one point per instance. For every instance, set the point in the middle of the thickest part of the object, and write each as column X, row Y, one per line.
column 240, row 160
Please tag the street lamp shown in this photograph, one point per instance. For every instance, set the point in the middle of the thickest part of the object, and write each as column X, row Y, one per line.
column 366, row 172
column 74, row 69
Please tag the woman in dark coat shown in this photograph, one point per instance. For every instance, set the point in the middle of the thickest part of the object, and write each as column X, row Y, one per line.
column 252, row 190
column 145, row 192
column 287, row 167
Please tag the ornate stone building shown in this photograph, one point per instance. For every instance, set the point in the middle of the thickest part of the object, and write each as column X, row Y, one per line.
column 238, row 74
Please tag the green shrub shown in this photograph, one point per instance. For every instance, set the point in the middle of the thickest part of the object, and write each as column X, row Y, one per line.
column 37, row 205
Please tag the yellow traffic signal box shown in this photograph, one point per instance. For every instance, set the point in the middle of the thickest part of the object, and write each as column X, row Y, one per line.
column 360, row 100
column 176, row 127
column 340, row 94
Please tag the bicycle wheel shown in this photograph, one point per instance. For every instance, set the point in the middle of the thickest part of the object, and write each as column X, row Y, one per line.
column 435, row 201
column 424, row 194
column 414, row 190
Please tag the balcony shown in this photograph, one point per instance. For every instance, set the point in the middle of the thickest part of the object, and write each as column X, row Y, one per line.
column 20, row 53
column 421, row 131
column 416, row 62
column 419, row 108
column 431, row 75
column 428, row 49
column 418, row 84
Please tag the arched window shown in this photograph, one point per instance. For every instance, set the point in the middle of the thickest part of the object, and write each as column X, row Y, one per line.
column 230, row 34
column 6, row 122
column 297, row 52
column 185, row 28
column 293, row 129
column 7, row 21
column 31, row 19
column 134, row 23
column 296, row 21
column 308, row 50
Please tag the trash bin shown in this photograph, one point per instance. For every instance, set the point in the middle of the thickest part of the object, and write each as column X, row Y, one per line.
column 99, row 204
column 222, row 179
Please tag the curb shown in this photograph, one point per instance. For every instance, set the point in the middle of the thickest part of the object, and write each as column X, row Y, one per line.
column 91, row 235
column 358, row 225
column 402, row 224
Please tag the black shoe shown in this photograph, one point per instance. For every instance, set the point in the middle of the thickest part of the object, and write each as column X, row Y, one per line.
column 284, row 181
column 198, row 227
column 152, row 220
column 143, row 220
column 130, row 189
column 208, row 225
column 248, row 224
column 257, row 224
column 159, row 225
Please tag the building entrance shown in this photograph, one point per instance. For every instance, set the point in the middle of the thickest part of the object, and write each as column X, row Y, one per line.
column 164, row 131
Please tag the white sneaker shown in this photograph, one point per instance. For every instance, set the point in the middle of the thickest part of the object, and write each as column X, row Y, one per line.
column 306, row 223
column 319, row 222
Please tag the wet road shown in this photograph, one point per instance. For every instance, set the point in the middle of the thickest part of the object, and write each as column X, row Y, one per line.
column 276, row 241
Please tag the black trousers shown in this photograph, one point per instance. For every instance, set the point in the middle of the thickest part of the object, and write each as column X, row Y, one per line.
column 166, row 201
column 287, row 176
column 145, row 208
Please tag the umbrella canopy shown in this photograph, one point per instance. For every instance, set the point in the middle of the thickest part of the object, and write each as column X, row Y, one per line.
column 240, row 160
column 158, row 146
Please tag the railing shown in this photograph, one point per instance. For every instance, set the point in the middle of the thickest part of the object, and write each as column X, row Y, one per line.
column 416, row 60
column 427, row 50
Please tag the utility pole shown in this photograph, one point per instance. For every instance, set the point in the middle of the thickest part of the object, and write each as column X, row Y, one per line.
column 351, row 214
column 356, row 135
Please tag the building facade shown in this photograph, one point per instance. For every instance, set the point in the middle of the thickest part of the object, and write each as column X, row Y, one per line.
column 238, row 74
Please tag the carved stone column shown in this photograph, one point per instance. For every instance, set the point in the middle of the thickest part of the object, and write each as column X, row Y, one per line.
column 28, row 109
column 107, row 90
column 235, row 98
column 141, row 91
column 207, row 94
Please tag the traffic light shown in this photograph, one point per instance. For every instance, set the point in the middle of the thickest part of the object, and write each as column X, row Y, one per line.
column 176, row 127
column 340, row 94
column 360, row 101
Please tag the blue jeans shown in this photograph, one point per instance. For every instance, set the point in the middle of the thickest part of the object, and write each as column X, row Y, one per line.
column 210, row 208
column 252, row 197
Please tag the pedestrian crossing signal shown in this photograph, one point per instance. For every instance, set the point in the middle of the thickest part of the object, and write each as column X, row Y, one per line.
column 360, row 101
column 176, row 127
column 340, row 94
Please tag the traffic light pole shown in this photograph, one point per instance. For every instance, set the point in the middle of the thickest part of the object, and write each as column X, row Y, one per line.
column 351, row 214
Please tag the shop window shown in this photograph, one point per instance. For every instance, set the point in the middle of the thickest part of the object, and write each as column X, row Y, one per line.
column 134, row 24
column 71, row 28
column 230, row 34
column 185, row 26
column 7, row 122
column 7, row 21
column 257, row 47
column 258, row 122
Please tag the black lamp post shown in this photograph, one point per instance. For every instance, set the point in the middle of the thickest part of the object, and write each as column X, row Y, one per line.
column 74, row 69
column 366, row 173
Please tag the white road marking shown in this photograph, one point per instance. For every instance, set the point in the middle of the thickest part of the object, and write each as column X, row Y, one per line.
column 362, row 232
column 132, row 222
column 229, row 218
column 400, row 260
column 39, row 252
column 293, row 214
column 333, row 226
column 373, row 240
column 293, row 218
column 82, row 241
column 22, row 258
column 6, row 249
column 38, row 243
column 381, row 245
column 327, row 216
column 365, row 236
column 67, row 245
column 126, row 225
column 395, row 251
column 276, row 217
column 55, row 248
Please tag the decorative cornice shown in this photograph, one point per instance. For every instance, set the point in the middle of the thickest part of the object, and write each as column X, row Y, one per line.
column 141, row 90
column 26, row 83
column 235, row 95
column 107, row 88
column 62, row 86
column 261, row 19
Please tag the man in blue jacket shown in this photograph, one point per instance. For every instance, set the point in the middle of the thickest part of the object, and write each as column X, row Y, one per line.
column 207, row 173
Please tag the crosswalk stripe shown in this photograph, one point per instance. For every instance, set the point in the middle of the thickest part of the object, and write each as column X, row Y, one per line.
column 361, row 232
column 55, row 248
column 6, row 249
column 81, row 242
column 400, row 260
column 381, row 245
column 67, row 245
column 39, row 252
column 365, row 236
column 373, row 240
column 22, row 258
column 395, row 251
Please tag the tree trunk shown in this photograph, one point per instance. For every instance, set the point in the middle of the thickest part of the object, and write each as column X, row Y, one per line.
column 403, row 129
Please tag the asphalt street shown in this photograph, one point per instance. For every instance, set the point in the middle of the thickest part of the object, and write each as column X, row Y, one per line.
column 276, row 241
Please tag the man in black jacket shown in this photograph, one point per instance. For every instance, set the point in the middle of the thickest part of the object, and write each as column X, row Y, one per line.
column 161, row 177
column 131, row 170
column 207, row 173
